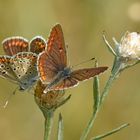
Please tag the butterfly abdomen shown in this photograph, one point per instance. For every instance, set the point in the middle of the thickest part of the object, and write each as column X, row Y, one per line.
column 59, row 77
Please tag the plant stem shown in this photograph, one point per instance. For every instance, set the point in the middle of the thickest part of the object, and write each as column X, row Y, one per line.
column 89, row 125
column 48, row 125
column 107, row 87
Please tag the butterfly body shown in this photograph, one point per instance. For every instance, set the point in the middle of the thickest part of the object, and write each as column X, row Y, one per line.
column 63, row 74
column 52, row 65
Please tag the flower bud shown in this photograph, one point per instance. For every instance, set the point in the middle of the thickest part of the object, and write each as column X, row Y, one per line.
column 129, row 47
column 50, row 100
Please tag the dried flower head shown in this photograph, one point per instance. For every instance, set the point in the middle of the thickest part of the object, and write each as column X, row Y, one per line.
column 51, row 100
column 129, row 47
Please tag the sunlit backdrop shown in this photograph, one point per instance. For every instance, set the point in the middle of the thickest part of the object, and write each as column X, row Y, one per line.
column 83, row 22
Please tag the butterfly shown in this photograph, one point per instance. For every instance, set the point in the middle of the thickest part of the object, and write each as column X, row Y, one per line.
column 52, row 65
column 19, row 63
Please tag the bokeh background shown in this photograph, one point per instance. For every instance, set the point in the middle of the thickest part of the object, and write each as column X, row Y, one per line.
column 83, row 22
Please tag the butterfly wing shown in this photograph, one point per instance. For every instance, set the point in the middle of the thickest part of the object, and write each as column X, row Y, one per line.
column 54, row 58
column 24, row 66
column 15, row 45
column 64, row 84
column 5, row 69
column 75, row 77
column 37, row 44
column 85, row 74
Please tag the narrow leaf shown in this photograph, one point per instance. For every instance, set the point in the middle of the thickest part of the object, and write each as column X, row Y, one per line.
column 96, row 90
column 60, row 128
column 110, row 132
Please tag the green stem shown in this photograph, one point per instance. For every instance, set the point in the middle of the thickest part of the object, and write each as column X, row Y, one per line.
column 89, row 125
column 107, row 87
column 114, row 74
column 48, row 125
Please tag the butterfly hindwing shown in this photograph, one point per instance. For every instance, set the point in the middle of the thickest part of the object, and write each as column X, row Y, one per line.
column 14, row 45
column 20, row 62
column 37, row 44
column 24, row 66
column 64, row 84
column 5, row 69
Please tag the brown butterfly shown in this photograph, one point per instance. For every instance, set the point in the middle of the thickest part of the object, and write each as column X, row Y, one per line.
column 52, row 65
column 19, row 63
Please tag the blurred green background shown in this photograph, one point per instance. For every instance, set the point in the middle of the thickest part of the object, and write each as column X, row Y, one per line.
column 83, row 22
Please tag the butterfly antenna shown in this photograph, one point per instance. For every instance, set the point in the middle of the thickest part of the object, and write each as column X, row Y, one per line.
column 83, row 62
column 10, row 96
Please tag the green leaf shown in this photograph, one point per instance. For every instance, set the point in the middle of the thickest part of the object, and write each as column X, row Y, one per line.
column 96, row 90
column 110, row 132
column 60, row 128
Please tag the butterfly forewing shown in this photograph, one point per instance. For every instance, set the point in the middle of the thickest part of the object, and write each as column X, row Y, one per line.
column 56, row 46
column 15, row 45
column 53, row 59
column 37, row 45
